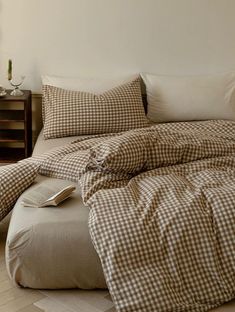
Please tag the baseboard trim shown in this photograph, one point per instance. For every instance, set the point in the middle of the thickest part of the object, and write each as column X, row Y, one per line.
column 36, row 95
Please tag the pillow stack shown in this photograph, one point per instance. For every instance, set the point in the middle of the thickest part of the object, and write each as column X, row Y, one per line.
column 75, row 106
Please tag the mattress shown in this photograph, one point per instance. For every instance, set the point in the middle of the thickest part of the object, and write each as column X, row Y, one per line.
column 50, row 248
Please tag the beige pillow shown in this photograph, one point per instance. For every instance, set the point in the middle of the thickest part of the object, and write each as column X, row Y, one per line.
column 185, row 98
column 14, row 179
column 69, row 113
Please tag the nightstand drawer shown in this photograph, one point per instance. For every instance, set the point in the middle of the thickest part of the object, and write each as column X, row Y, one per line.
column 15, row 127
column 12, row 135
column 12, row 115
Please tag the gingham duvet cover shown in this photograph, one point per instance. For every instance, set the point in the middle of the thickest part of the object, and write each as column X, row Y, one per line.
column 162, row 212
column 162, row 216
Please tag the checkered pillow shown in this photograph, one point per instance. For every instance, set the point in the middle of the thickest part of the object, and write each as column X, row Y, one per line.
column 14, row 179
column 69, row 113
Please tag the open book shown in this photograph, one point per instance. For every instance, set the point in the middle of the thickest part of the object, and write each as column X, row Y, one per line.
column 47, row 195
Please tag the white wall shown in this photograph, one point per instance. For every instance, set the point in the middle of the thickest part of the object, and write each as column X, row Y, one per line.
column 96, row 37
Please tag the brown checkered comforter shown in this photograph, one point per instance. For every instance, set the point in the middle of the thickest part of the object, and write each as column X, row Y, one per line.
column 162, row 215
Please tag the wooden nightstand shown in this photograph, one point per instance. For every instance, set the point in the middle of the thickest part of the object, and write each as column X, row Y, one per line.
column 15, row 144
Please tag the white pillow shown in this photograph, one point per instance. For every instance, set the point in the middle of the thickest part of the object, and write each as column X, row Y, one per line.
column 184, row 98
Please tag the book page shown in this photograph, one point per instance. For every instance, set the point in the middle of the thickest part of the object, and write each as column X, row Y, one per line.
column 46, row 193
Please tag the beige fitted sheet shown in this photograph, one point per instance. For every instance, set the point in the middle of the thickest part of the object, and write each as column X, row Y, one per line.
column 43, row 145
column 50, row 248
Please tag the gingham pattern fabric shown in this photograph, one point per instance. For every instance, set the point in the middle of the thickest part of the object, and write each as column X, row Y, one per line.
column 69, row 113
column 68, row 162
column 166, row 236
column 14, row 179
column 162, row 213
column 145, row 150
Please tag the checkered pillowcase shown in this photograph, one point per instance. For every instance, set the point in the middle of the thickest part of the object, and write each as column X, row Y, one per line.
column 14, row 179
column 68, row 113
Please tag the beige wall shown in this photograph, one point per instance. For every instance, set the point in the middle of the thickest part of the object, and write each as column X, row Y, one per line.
column 97, row 37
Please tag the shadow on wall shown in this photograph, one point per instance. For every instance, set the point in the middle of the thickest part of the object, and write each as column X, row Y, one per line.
column 36, row 115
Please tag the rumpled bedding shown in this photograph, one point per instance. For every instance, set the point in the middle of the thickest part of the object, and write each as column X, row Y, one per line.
column 162, row 216
column 162, row 212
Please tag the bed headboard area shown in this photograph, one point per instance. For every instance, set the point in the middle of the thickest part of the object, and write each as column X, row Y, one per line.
column 96, row 38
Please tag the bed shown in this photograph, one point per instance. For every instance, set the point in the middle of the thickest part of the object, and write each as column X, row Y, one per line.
column 160, row 197
column 69, row 260
column 58, row 264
